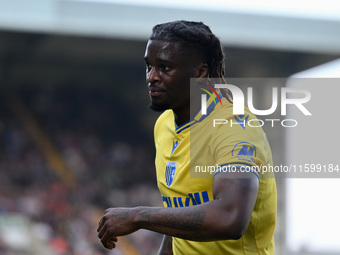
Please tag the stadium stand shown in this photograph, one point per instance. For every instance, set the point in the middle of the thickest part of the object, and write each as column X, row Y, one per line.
column 63, row 160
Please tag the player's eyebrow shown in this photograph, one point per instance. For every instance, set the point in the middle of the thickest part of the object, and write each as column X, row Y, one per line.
column 164, row 61
column 160, row 60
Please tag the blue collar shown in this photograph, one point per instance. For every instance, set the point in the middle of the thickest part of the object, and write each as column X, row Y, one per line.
column 213, row 100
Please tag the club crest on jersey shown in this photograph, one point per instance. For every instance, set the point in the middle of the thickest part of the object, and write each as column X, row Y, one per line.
column 170, row 172
column 244, row 151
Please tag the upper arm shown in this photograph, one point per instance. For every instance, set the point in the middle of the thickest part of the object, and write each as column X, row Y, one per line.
column 236, row 194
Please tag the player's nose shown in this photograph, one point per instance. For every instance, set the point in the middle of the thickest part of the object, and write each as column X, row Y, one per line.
column 153, row 76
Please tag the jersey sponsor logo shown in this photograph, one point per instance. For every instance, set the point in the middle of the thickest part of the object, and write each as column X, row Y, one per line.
column 170, row 170
column 242, row 120
column 174, row 146
column 196, row 198
column 244, row 151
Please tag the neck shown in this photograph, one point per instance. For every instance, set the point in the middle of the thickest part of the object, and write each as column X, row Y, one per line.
column 184, row 114
column 181, row 116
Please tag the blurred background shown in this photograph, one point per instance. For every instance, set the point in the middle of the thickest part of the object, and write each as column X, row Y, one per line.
column 76, row 134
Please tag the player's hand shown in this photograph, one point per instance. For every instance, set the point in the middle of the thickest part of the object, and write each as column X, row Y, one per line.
column 116, row 222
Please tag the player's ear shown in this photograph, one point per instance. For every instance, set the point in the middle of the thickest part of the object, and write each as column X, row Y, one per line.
column 202, row 71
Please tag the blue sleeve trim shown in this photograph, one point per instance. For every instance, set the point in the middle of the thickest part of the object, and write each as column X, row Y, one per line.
column 249, row 170
column 236, row 163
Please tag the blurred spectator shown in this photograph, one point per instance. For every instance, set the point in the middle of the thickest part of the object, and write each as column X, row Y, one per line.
column 108, row 170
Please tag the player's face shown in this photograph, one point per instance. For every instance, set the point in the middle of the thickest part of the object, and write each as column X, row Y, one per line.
column 168, row 73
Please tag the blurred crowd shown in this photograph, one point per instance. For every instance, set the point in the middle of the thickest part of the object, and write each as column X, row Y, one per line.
column 113, row 166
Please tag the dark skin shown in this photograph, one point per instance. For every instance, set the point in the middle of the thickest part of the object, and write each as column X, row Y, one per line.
column 168, row 72
column 166, row 246
column 226, row 216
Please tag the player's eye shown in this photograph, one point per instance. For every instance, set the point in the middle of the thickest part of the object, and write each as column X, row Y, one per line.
column 164, row 68
column 148, row 67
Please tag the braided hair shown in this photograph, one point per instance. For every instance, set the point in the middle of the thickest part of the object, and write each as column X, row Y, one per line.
column 194, row 36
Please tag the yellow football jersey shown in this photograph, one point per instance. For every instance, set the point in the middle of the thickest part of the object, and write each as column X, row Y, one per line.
column 188, row 156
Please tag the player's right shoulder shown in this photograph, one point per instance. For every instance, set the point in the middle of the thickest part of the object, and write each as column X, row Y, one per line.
column 165, row 119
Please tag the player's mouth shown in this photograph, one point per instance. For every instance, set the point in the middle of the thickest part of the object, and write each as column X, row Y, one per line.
column 155, row 91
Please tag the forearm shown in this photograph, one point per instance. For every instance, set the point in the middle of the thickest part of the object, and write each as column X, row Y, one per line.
column 166, row 246
column 206, row 222
column 225, row 217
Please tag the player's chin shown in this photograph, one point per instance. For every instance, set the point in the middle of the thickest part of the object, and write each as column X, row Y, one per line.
column 158, row 107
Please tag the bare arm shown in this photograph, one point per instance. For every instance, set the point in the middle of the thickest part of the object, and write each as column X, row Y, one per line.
column 225, row 217
column 166, row 246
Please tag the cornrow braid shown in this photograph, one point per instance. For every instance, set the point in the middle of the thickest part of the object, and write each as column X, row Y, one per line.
column 194, row 35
